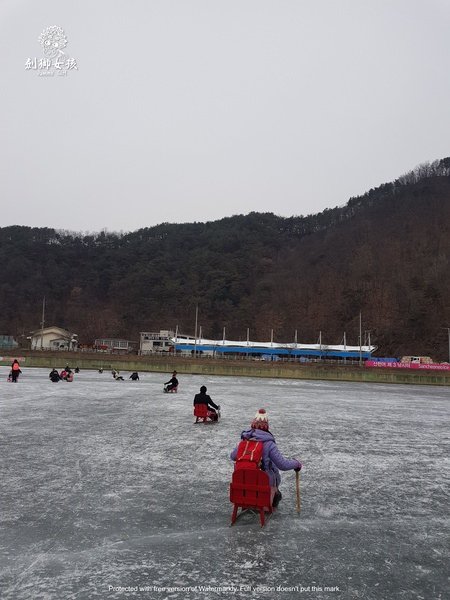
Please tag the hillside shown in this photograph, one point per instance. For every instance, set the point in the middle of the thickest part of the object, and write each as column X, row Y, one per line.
column 385, row 253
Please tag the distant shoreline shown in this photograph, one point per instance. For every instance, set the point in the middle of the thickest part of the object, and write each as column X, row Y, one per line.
column 224, row 367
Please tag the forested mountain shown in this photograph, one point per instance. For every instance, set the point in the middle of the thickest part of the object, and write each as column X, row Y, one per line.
column 385, row 253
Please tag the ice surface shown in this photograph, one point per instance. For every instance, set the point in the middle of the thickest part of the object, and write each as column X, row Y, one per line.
column 108, row 484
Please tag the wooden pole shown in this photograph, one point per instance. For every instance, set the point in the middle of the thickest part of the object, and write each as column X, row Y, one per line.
column 297, row 485
column 196, row 321
column 42, row 323
column 360, row 339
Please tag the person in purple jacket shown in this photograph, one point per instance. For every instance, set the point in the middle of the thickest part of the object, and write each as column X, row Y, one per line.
column 272, row 459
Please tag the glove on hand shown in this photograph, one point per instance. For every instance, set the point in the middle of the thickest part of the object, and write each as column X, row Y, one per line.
column 299, row 467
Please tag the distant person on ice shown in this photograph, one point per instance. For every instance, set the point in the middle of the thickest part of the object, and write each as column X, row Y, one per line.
column 15, row 371
column 117, row 375
column 54, row 375
column 272, row 459
column 172, row 383
column 134, row 376
column 203, row 398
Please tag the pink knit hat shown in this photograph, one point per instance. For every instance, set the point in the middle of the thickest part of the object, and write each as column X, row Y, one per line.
column 261, row 420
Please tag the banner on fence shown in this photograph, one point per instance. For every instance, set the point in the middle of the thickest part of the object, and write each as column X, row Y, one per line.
column 399, row 365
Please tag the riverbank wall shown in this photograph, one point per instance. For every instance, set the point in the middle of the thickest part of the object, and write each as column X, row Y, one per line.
column 224, row 367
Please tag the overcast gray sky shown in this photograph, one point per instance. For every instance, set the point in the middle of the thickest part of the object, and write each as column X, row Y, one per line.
column 193, row 110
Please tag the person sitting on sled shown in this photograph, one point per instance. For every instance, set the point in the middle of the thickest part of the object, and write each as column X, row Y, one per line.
column 272, row 460
column 15, row 371
column 172, row 383
column 134, row 376
column 203, row 398
column 54, row 375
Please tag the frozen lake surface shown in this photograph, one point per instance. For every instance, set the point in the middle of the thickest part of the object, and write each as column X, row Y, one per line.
column 107, row 487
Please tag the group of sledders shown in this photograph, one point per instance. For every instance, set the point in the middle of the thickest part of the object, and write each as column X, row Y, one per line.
column 118, row 377
column 257, row 448
column 65, row 375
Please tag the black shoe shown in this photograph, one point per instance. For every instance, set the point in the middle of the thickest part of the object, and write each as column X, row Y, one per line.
column 276, row 499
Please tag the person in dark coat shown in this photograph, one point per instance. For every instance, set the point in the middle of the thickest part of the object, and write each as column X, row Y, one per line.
column 54, row 376
column 272, row 459
column 172, row 383
column 15, row 371
column 134, row 376
column 204, row 398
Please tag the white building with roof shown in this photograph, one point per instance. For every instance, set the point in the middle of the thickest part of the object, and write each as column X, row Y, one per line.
column 53, row 338
column 153, row 342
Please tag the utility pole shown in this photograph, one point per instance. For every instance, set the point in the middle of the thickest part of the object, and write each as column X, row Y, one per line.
column 42, row 323
column 360, row 339
column 345, row 347
column 196, row 321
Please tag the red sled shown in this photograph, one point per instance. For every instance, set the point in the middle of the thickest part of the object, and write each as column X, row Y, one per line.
column 201, row 411
column 250, row 490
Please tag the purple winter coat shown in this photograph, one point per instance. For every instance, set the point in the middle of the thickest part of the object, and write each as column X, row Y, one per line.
column 272, row 459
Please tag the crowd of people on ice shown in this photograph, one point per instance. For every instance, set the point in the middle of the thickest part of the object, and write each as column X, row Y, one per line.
column 65, row 375
column 257, row 447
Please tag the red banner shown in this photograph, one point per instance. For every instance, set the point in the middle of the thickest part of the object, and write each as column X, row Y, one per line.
column 399, row 365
